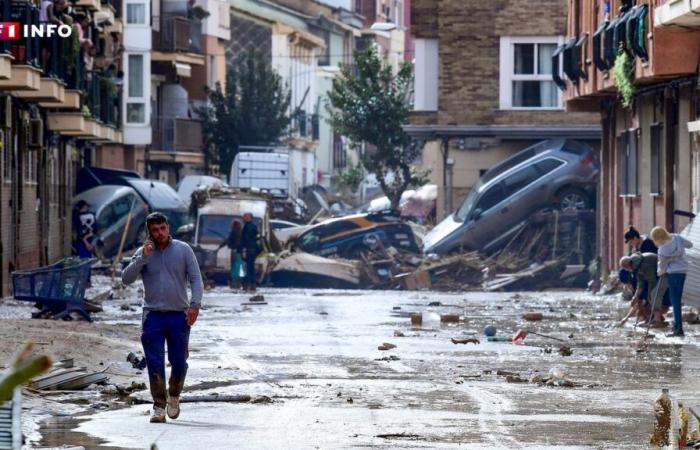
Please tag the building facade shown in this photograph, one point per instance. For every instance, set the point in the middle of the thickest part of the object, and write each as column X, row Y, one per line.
column 650, row 165
column 484, row 87
column 59, row 105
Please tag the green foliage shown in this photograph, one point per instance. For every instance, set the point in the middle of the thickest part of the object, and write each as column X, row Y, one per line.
column 71, row 49
column 252, row 109
column 370, row 103
column 25, row 367
column 623, row 72
column 85, row 111
column 352, row 177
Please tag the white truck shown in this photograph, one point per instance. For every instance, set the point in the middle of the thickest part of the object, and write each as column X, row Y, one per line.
column 283, row 172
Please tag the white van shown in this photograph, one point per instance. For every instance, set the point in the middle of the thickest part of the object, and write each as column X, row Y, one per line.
column 214, row 224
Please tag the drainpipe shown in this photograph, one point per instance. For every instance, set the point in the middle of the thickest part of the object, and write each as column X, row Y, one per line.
column 445, row 157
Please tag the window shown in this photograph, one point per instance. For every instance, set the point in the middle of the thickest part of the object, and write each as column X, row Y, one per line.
column 426, row 75
column 548, row 165
column 338, row 227
column 136, row 112
column 519, row 179
column 136, row 13
column 491, row 198
column 526, row 73
column 627, row 144
column 135, row 75
column 30, row 175
column 107, row 217
column 657, row 159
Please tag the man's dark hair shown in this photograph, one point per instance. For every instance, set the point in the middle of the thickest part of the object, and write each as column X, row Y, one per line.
column 155, row 218
column 632, row 233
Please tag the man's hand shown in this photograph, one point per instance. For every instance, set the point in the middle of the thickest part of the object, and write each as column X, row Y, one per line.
column 148, row 248
column 192, row 314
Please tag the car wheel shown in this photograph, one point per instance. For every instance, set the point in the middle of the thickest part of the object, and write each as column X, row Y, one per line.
column 572, row 199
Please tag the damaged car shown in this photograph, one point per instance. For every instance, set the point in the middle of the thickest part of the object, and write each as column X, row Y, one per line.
column 349, row 236
column 557, row 173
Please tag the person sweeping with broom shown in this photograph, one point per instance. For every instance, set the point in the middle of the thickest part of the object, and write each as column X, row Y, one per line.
column 673, row 264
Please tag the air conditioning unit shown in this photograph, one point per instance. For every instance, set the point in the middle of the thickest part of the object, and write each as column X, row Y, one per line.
column 5, row 111
column 36, row 133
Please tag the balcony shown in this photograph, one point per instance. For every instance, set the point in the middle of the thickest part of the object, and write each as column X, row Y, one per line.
column 305, row 126
column 591, row 50
column 175, row 135
column 178, row 39
column 682, row 13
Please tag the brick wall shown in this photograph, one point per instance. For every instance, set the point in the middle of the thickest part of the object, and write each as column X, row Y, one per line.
column 469, row 34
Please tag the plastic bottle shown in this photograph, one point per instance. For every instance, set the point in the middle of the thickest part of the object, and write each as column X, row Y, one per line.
column 662, row 420
column 683, row 419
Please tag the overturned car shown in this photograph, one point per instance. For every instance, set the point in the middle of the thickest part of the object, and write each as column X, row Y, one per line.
column 349, row 236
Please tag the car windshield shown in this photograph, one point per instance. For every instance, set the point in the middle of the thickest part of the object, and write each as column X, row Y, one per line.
column 214, row 228
column 176, row 219
column 468, row 204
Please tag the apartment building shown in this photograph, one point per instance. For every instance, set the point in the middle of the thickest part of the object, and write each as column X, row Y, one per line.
column 650, row 141
column 485, row 87
column 59, row 104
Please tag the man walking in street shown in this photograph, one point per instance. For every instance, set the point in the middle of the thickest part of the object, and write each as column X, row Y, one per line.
column 249, row 248
column 166, row 265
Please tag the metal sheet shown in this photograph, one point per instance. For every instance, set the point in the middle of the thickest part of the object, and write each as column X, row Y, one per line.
column 691, row 291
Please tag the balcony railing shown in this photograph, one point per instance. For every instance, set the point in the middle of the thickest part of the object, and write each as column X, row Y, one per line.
column 27, row 49
column 177, row 135
column 177, row 34
column 305, row 125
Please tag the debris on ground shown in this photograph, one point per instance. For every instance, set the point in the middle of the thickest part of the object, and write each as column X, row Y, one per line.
column 533, row 316
column 136, row 362
column 465, row 341
column 398, row 333
column 449, row 318
column 69, row 379
column 388, row 358
column 386, row 346
column 565, row 350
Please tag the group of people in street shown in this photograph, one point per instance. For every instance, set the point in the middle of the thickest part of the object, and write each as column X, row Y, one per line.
column 655, row 271
column 244, row 243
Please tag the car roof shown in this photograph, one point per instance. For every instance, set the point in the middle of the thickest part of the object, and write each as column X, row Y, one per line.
column 550, row 147
column 98, row 196
column 157, row 194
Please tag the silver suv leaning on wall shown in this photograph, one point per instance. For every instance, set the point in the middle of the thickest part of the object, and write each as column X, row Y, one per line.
column 560, row 173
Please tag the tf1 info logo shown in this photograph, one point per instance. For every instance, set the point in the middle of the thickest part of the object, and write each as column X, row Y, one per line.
column 13, row 31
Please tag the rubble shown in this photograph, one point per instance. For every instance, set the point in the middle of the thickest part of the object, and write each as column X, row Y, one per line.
column 386, row 346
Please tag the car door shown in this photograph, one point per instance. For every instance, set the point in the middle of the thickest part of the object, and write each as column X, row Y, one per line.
column 484, row 221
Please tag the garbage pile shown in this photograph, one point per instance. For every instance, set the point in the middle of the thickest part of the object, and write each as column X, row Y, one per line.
column 378, row 251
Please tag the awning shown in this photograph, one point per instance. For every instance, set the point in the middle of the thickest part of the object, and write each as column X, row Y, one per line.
column 183, row 70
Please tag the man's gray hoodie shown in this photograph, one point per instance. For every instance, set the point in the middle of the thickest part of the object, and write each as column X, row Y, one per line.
column 165, row 275
column 672, row 255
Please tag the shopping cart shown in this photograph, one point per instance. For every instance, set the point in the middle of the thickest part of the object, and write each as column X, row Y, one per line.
column 57, row 289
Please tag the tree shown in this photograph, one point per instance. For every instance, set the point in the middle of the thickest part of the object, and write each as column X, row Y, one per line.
column 253, row 109
column 370, row 104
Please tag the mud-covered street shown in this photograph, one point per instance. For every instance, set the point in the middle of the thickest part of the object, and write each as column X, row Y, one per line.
column 315, row 355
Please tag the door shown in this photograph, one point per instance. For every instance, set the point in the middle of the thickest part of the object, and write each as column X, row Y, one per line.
column 484, row 221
